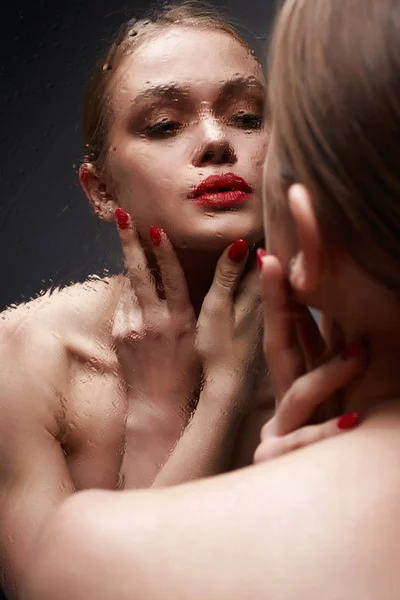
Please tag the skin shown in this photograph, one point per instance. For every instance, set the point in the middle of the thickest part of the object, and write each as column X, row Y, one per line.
column 94, row 401
column 317, row 539
column 328, row 512
column 324, row 509
column 66, row 407
column 211, row 122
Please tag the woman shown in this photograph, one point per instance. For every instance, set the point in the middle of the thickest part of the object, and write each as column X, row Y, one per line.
column 100, row 380
column 321, row 522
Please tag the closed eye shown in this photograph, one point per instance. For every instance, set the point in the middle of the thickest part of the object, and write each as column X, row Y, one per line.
column 247, row 121
column 162, row 129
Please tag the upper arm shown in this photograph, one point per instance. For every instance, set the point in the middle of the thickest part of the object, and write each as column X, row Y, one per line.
column 294, row 528
column 33, row 473
column 34, row 480
column 297, row 527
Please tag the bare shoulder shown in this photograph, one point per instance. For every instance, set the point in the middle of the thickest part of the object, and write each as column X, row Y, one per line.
column 38, row 339
column 82, row 303
column 319, row 523
column 55, row 318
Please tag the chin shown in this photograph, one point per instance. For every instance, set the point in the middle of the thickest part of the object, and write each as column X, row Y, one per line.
column 216, row 236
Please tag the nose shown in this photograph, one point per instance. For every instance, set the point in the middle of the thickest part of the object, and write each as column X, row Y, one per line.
column 213, row 147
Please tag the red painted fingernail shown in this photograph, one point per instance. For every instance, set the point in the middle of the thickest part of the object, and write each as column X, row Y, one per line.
column 352, row 350
column 155, row 235
column 238, row 251
column 348, row 421
column 260, row 255
column 122, row 218
column 84, row 174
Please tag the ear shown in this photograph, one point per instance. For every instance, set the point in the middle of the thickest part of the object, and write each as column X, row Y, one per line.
column 96, row 192
column 307, row 265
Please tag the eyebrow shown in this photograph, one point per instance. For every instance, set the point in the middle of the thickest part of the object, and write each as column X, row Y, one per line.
column 169, row 91
column 238, row 85
column 173, row 91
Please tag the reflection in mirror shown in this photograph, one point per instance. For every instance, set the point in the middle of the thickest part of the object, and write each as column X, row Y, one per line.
column 150, row 372
column 155, row 377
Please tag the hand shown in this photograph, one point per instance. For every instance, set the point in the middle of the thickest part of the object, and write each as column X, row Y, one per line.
column 229, row 330
column 155, row 336
column 293, row 347
column 229, row 345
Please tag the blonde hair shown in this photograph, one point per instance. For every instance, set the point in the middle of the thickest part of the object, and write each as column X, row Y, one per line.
column 96, row 112
column 334, row 84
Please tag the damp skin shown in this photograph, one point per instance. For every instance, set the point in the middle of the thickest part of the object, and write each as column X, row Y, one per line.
column 201, row 114
column 63, row 371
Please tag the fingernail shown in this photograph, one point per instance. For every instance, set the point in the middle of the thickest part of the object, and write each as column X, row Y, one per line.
column 349, row 421
column 238, row 251
column 122, row 218
column 260, row 255
column 84, row 174
column 155, row 235
column 352, row 350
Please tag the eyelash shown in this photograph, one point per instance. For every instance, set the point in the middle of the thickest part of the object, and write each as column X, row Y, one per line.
column 248, row 121
column 165, row 129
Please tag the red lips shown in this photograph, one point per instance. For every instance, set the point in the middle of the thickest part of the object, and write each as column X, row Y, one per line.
column 222, row 191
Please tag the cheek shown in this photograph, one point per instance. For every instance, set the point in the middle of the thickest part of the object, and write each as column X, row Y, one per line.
column 253, row 150
column 144, row 182
column 139, row 167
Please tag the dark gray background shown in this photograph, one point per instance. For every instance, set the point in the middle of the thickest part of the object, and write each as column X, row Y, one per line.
column 48, row 235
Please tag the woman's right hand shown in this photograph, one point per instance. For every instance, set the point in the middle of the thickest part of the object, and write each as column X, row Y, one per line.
column 304, row 376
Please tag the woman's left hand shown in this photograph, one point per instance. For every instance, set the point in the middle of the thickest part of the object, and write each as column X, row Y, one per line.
column 294, row 350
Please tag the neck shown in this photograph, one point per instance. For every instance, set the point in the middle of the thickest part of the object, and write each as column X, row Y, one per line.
column 199, row 268
column 373, row 313
column 381, row 381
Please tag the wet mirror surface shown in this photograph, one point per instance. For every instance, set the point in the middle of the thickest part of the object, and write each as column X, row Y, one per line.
column 167, row 165
column 49, row 235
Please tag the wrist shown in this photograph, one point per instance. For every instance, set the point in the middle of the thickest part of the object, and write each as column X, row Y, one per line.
column 230, row 380
column 224, row 390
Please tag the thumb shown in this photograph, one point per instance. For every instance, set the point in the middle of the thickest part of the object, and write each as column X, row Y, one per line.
column 229, row 269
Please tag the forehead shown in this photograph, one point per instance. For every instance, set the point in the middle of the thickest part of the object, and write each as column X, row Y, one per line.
column 187, row 55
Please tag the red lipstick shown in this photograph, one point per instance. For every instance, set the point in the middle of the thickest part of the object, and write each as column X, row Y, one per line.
column 222, row 191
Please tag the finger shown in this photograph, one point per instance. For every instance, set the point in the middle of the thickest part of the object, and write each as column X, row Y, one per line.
column 310, row 390
column 332, row 334
column 248, row 311
column 173, row 278
column 127, row 317
column 305, row 436
column 334, row 341
column 227, row 273
column 248, row 293
column 310, row 339
column 136, row 264
column 282, row 350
